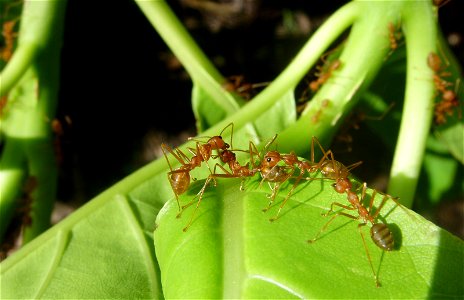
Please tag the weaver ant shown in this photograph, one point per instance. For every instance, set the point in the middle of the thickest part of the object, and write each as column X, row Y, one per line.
column 180, row 177
column 324, row 73
column 236, row 171
column 434, row 62
column 3, row 103
column 380, row 233
column 9, row 35
column 449, row 98
column 272, row 172
column 394, row 35
column 8, row 32
column 237, row 84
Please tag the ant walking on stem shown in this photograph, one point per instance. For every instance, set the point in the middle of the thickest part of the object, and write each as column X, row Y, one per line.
column 237, row 84
column 449, row 98
column 394, row 37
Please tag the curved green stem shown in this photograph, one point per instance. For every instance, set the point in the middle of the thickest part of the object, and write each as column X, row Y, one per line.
column 12, row 173
column 17, row 67
column 27, row 124
column 420, row 31
column 187, row 51
column 36, row 30
column 296, row 70
column 362, row 57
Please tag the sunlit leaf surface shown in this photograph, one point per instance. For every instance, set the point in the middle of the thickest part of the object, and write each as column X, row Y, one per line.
column 231, row 250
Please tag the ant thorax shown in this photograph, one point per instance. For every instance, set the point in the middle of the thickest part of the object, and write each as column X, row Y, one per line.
column 334, row 169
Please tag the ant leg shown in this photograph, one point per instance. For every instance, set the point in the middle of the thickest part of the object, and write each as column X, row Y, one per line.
column 377, row 283
column 200, row 196
column 298, row 179
column 313, row 240
column 327, row 155
column 231, row 125
column 339, row 205
column 274, row 190
column 175, row 194
column 352, row 166
column 268, row 144
column 253, row 150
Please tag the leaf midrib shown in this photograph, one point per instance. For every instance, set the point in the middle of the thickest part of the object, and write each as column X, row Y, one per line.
column 233, row 241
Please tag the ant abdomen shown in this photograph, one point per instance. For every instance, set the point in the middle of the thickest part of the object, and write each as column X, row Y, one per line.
column 180, row 182
column 382, row 236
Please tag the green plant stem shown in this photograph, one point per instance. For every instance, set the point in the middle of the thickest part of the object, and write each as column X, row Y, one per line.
column 296, row 70
column 420, row 29
column 363, row 55
column 16, row 67
column 27, row 124
column 187, row 51
column 283, row 84
column 37, row 21
column 12, row 173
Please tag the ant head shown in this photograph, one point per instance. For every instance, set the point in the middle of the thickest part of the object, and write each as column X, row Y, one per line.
column 271, row 158
column 228, row 156
column 434, row 61
column 449, row 96
column 217, row 142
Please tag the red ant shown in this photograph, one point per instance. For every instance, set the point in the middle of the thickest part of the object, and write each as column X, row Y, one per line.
column 380, row 233
column 180, row 177
column 449, row 98
column 3, row 103
column 244, row 89
column 394, row 35
column 272, row 172
column 8, row 33
column 434, row 62
column 324, row 73
column 236, row 171
column 315, row 118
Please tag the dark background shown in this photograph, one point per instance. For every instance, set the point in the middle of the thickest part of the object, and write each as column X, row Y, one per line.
column 125, row 93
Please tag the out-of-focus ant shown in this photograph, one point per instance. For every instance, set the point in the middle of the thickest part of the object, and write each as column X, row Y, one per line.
column 449, row 99
column 237, row 84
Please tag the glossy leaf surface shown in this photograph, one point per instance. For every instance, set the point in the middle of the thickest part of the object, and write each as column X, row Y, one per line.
column 103, row 250
column 232, row 250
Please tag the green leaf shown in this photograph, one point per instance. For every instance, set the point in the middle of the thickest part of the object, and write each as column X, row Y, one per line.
column 103, row 250
column 206, row 111
column 453, row 138
column 231, row 250
column 280, row 116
